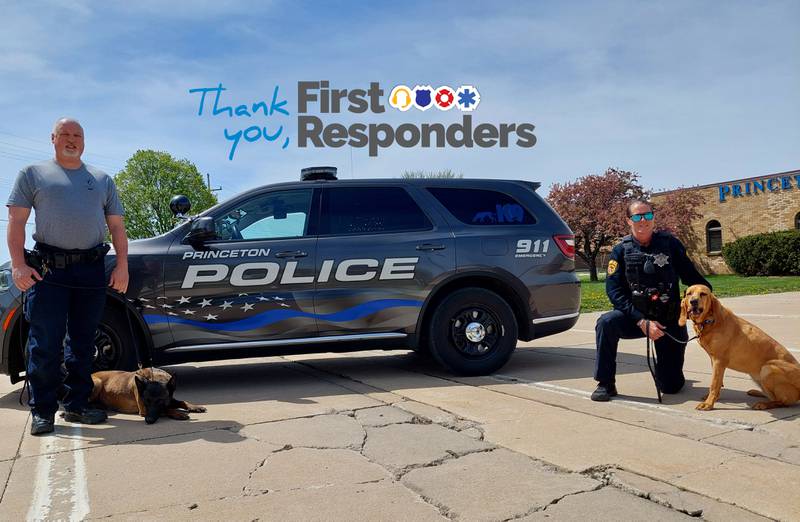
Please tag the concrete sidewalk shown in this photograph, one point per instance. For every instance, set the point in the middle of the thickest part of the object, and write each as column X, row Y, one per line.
column 387, row 435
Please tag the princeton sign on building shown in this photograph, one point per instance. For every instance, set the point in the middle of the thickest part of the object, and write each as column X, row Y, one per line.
column 741, row 207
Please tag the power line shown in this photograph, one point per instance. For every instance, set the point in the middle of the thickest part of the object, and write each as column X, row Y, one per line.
column 30, row 158
column 117, row 160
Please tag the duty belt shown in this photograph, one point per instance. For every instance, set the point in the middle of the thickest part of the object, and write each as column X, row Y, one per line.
column 61, row 258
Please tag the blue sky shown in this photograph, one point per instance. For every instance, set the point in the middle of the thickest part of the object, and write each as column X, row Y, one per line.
column 683, row 93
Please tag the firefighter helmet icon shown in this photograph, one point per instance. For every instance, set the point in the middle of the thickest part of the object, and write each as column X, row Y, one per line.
column 445, row 98
column 401, row 98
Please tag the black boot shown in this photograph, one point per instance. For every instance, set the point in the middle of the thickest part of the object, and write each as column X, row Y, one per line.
column 604, row 392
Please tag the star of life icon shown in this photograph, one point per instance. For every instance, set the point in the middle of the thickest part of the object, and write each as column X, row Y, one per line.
column 467, row 98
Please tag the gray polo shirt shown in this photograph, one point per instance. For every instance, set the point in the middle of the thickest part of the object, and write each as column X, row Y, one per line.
column 71, row 204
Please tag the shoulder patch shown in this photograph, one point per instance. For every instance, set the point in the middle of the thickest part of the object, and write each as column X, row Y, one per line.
column 612, row 267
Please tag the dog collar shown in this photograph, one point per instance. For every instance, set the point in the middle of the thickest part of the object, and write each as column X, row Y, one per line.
column 705, row 323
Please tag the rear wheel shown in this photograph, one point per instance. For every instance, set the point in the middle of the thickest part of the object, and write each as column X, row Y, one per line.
column 473, row 332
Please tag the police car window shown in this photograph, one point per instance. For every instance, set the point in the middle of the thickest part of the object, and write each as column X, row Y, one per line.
column 482, row 207
column 370, row 210
column 268, row 216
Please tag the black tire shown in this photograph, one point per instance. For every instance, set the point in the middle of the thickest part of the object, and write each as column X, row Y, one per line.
column 461, row 354
column 114, row 346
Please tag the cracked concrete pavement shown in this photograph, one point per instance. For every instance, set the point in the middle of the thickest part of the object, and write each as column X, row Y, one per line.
column 387, row 435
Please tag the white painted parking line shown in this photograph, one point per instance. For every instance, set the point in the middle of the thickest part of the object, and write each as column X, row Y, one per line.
column 42, row 489
column 658, row 409
column 60, row 493
column 79, row 486
column 776, row 316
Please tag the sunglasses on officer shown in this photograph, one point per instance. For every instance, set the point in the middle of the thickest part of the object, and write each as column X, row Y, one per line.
column 648, row 216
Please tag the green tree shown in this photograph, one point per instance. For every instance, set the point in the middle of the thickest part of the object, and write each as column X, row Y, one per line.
column 146, row 185
column 446, row 173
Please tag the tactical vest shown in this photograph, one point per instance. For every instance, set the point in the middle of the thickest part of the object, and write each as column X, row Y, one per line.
column 651, row 278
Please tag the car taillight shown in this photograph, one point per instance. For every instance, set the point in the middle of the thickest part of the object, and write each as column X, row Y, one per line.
column 8, row 319
column 566, row 243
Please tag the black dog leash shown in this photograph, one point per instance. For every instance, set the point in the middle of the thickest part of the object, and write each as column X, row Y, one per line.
column 654, row 359
column 652, row 366
column 23, row 298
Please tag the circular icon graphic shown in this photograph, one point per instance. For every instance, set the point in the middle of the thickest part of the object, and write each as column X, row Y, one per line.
column 467, row 98
column 445, row 98
column 401, row 98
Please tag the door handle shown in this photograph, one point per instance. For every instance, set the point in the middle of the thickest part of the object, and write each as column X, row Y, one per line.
column 291, row 253
column 429, row 247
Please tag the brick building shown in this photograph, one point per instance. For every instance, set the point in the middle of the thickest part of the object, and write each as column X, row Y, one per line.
column 741, row 207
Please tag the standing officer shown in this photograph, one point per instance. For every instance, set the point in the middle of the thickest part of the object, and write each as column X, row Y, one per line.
column 74, row 202
column 642, row 283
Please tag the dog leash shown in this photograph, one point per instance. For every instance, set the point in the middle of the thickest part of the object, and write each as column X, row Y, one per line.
column 23, row 299
column 650, row 365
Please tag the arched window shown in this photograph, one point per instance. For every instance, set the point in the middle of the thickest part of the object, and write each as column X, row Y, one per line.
column 713, row 237
column 797, row 221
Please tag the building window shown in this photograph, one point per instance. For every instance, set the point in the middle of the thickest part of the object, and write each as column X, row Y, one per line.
column 713, row 237
column 797, row 221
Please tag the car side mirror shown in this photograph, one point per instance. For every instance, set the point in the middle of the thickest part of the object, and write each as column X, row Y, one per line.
column 202, row 230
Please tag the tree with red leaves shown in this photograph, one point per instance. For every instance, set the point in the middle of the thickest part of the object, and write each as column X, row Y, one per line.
column 595, row 207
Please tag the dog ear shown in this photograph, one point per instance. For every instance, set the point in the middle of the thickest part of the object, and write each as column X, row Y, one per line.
column 171, row 385
column 715, row 305
column 141, row 383
column 684, row 309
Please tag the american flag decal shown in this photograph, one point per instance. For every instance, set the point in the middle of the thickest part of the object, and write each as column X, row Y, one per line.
column 252, row 311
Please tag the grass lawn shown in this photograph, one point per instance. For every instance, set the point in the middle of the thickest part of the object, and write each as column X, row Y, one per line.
column 593, row 294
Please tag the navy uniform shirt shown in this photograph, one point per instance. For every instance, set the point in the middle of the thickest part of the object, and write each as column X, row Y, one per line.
column 662, row 244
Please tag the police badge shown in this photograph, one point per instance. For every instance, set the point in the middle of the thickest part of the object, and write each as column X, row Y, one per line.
column 612, row 267
column 661, row 260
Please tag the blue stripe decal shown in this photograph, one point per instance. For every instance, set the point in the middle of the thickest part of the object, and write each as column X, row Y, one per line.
column 273, row 316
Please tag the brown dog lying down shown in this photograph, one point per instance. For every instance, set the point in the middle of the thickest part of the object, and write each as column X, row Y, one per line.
column 734, row 343
column 147, row 391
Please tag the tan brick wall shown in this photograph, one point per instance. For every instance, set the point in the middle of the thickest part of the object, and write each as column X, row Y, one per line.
column 770, row 211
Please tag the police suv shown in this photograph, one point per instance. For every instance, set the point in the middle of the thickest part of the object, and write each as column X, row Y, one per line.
column 459, row 268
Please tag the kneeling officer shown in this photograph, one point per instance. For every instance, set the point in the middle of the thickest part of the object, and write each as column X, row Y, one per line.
column 642, row 284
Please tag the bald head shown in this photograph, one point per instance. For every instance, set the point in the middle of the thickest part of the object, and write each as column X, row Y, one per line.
column 67, row 140
column 61, row 121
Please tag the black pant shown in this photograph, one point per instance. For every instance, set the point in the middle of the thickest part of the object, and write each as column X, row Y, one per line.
column 615, row 325
column 54, row 312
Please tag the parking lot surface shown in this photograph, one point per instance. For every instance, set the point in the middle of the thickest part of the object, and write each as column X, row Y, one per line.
column 389, row 436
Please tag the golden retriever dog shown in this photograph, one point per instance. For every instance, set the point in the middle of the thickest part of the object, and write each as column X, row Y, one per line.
column 734, row 343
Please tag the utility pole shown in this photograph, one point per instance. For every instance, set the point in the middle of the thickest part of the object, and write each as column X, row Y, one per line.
column 208, row 181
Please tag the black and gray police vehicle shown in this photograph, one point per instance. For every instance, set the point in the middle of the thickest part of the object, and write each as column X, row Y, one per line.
column 459, row 268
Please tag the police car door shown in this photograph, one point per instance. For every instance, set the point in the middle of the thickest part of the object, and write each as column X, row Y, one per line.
column 379, row 255
column 254, row 282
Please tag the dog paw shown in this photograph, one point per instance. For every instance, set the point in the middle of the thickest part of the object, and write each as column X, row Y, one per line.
column 704, row 406
column 198, row 409
column 762, row 406
column 755, row 393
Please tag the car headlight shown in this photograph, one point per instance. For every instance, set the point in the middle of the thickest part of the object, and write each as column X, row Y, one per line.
column 5, row 279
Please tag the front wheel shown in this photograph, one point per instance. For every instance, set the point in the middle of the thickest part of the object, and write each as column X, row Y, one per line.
column 473, row 332
column 114, row 347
